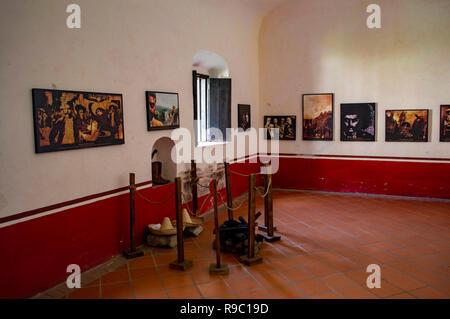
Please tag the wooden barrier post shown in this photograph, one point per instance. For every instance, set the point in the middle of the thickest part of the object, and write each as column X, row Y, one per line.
column 132, row 252
column 251, row 259
column 268, row 203
column 229, row 197
column 268, row 206
column 217, row 269
column 194, row 188
column 180, row 263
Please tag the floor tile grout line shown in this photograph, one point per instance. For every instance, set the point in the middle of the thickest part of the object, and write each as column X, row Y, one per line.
column 130, row 280
column 159, row 274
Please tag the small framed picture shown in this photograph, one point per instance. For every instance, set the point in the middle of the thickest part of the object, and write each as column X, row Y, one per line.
column 162, row 110
column 66, row 120
column 244, row 118
column 445, row 123
column 318, row 116
column 407, row 125
column 358, row 122
column 281, row 127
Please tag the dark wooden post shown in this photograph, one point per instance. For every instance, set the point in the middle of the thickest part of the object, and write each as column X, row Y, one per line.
column 194, row 188
column 132, row 252
column 217, row 269
column 268, row 206
column 251, row 258
column 251, row 217
column 268, row 203
column 229, row 197
column 180, row 263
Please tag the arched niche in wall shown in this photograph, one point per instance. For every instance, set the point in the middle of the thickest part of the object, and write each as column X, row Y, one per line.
column 164, row 169
column 215, row 64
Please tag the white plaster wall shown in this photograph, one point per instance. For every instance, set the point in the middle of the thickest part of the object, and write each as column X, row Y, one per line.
column 325, row 46
column 123, row 47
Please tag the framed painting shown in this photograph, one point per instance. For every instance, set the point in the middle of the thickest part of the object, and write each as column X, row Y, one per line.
column 162, row 110
column 282, row 127
column 445, row 123
column 358, row 122
column 318, row 116
column 65, row 120
column 244, row 117
column 407, row 125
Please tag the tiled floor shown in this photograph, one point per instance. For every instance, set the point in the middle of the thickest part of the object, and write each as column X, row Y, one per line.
column 328, row 240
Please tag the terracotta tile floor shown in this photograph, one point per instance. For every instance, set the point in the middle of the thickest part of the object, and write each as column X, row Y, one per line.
column 327, row 242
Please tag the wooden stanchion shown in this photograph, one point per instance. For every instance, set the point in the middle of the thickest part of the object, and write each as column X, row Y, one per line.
column 268, row 207
column 217, row 268
column 268, row 204
column 180, row 263
column 251, row 258
column 194, row 188
column 229, row 196
column 132, row 252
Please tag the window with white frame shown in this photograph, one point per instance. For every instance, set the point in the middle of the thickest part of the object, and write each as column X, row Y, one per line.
column 212, row 108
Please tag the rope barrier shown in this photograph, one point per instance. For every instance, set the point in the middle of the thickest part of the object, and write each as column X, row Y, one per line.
column 152, row 202
column 202, row 185
column 196, row 182
column 241, row 174
column 267, row 191
column 187, row 205
column 204, row 202
column 232, row 208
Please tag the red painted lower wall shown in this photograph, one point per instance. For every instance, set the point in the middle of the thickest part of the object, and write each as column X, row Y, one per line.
column 402, row 178
column 34, row 254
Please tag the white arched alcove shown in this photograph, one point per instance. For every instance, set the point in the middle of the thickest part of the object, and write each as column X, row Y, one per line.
column 164, row 147
column 215, row 64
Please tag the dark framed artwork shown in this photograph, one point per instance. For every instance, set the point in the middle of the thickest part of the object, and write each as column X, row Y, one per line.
column 445, row 123
column 407, row 125
column 358, row 122
column 162, row 110
column 244, row 118
column 318, row 116
column 286, row 125
column 65, row 120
